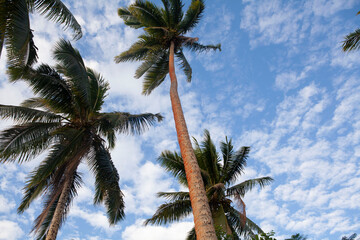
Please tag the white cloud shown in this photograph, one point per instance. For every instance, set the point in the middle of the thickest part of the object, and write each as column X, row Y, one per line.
column 10, row 230
column 6, row 205
column 175, row 231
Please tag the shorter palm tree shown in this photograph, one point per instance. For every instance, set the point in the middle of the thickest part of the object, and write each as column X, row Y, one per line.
column 65, row 118
column 218, row 176
column 352, row 40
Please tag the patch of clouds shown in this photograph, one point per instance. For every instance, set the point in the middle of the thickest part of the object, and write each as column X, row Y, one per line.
column 175, row 231
column 10, row 230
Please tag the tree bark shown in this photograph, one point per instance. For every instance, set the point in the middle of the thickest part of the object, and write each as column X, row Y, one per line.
column 204, row 226
column 55, row 222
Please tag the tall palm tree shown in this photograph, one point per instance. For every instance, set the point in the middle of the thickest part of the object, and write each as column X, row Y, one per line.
column 15, row 31
column 352, row 40
column 162, row 40
column 65, row 119
column 219, row 175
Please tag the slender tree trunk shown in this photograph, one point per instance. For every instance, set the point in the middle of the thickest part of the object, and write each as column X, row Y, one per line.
column 55, row 222
column 204, row 227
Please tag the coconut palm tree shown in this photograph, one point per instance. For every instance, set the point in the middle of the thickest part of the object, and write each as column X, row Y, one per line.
column 297, row 236
column 164, row 38
column 219, row 174
column 352, row 40
column 15, row 31
column 66, row 119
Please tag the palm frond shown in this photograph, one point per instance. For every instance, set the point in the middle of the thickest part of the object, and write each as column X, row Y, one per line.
column 192, row 16
column 210, row 160
column 197, row 47
column 148, row 62
column 176, row 12
column 352, row 41
column 127, row 123
column 147, row 13
column 236, row 165
column 184, row 64
column 227, row 154
column 24, row 142
column 98, row 89
column 173, row 163
column 71, row 64
column 156, row 74
column 174, row 196
column 72, row 142
column 128, row 18
column 248, row 185
column 19, row 38
column 107, row 188
column 45, row 81
column 170, row 212
column 55, row 10
column 24, row 114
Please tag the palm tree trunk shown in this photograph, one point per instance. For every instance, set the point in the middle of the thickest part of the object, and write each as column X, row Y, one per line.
column 202, row 215
column 55, row 222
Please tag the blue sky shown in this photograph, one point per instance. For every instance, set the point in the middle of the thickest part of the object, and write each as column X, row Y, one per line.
column 281, row 85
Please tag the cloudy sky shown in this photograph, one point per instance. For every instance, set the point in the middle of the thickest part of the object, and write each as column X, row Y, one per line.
column 281, row 85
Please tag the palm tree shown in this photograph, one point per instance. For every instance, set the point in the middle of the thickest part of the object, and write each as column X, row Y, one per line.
column 15, row 31
column 352, row 40
column 218, row 175
column 162, row 40
column 65, row 119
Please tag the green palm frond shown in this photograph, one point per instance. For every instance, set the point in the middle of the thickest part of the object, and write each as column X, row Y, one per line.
column 71, row 64
column 107, row 188
column 127, row 123
column 24, row 142
column 192, row 16
column 98, row 89
column 176, row 12
column 236, row 165
column 150, row 60
column 18, row 33
column 128, row 18
column 173, row 163
column 248, row 185
column 174, row 196
column 227, row 154
column 46, row 82
column 74, row 142
column 146, row 13
column 352, row 41
column 170, row 212
column 184, row 64
column 139, row 50
column 56, row 11
column 197, row 47
column 156, row 74
column 24, row 114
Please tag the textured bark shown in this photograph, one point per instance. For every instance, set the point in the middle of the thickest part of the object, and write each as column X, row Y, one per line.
column 204, row 227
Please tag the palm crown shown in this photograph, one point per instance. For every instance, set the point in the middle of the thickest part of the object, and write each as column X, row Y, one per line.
column 161, row 27
column 66, row 119
column 218, row 176
column 15, row 29
column 352, row 40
